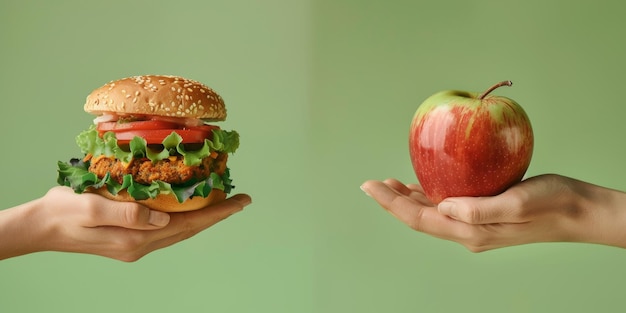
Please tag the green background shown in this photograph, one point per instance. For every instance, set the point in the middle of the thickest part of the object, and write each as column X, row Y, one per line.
column 322, row 93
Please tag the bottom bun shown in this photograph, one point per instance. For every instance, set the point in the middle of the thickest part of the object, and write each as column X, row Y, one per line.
column 165, row 202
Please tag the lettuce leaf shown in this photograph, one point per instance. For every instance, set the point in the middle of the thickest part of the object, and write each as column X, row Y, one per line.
column 75, row 174
column 90, row 143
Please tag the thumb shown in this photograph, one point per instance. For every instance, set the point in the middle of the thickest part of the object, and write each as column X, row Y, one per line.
column 476, row 210
column 130, row 215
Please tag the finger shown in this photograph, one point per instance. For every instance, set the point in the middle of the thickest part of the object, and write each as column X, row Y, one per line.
column 387, row 197
column 417, row 215
column 214, row 213
column 415, row 187
column 187, row 224
column 518, row 204
column 481, row 210
column 393, row 184
column 398, row 186
column 130, row 215
column 414, row 191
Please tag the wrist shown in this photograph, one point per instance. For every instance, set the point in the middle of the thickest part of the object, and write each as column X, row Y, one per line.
column 603, row 215
column 22, row 230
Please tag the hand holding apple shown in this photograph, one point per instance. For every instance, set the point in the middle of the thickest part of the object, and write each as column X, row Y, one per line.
column 469, row 144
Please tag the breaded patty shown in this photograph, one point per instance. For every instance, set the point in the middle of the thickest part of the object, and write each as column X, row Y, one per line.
column 171, row 170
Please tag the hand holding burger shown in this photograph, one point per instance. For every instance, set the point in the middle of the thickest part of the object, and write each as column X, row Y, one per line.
column 65, row 221
column 153, row 142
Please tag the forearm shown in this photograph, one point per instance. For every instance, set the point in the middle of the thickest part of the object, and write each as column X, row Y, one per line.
column 603, row 215
column 21, row 230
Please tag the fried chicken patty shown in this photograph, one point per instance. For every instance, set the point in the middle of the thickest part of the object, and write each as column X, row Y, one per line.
column 171, row 170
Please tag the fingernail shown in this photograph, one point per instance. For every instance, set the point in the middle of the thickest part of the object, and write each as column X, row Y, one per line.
column 364, row 190
column 244, row 200
column 447, row 208
column 158, row 218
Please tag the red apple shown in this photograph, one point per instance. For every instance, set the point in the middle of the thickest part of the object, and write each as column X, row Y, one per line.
column 469, row 144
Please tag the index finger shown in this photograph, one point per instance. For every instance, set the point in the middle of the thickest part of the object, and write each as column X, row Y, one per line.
column 420, row 217
column 184, row 225
column 190, row 223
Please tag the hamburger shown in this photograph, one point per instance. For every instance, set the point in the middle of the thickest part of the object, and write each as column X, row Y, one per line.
column 153, row 141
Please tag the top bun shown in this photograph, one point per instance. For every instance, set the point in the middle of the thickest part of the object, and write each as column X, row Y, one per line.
column 157, row 95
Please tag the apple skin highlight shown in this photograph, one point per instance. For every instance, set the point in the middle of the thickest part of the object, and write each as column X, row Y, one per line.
column 469, row 144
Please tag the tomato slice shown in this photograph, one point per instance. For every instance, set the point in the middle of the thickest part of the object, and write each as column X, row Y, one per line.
column 154, row 131
column 156, row 136
column 206, row 128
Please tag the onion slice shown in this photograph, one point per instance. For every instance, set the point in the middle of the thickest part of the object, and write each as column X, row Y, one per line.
column 106, row 117
column 184, row 121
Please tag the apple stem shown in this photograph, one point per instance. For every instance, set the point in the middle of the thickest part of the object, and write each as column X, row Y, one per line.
column 494, row 87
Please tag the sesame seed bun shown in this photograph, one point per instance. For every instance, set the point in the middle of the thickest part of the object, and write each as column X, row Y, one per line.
column 165, row 202
column 161, row 95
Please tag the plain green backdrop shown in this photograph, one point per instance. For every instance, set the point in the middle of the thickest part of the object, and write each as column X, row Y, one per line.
column 322, row 93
